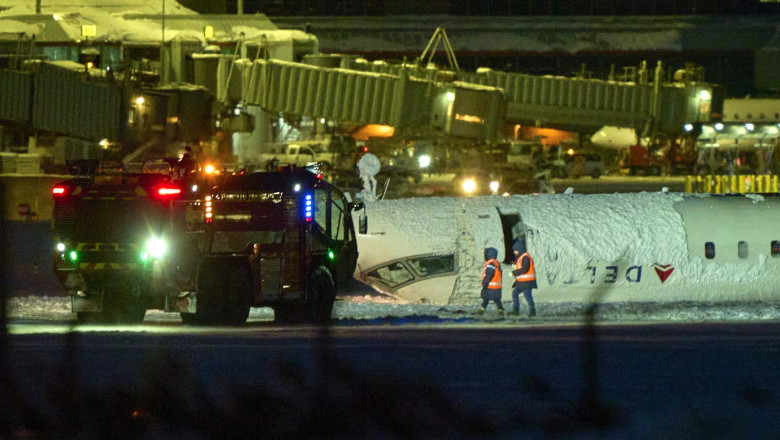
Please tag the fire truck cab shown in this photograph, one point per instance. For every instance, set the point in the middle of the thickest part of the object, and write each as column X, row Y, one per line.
column 282, row 239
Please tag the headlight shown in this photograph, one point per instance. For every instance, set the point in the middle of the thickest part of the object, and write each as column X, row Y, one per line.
column 494, row 186
column 469, row 186
column 155, row 248
column 424, row 161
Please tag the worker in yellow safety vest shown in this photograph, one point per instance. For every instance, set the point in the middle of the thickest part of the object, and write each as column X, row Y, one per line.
column 491, row 281
column 525, row 278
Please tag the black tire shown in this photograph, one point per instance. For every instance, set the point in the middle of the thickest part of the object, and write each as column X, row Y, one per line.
column 318, row 305
column 288, row 313
column 223, row 294
column 122, row 304
column 320, row 298
column 596, row 173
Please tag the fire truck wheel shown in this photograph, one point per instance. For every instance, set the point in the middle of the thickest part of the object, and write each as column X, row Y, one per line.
column 121, row 305
column 322, row 294
column 223, row 295
column 318, row 306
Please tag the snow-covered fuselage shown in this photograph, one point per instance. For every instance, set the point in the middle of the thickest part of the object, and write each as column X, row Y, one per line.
column 654, row 247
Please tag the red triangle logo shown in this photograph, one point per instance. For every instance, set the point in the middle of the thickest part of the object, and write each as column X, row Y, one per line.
column 663, row 271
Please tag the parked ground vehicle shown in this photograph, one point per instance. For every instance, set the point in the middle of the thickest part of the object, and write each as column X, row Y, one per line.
column 524, row 155
column 584, row 164
column 116, row 232
column 473, row 181
column 664, row 160
column 279, row 239
column 299, row 155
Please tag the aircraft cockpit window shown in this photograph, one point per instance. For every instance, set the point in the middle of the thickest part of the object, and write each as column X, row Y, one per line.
column 742, row 249
column 775, row 248
column 709, row 250
column 392, row 274
column 432, row 265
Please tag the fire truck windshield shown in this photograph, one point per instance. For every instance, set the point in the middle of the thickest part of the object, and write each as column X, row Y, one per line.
column 105, row 221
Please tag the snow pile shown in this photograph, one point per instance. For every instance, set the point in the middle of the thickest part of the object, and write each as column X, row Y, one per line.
column 27, row 7
column 371, row 309
column 131, row 21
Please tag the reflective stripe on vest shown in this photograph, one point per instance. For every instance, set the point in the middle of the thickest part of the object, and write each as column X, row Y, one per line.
column 495, row 282
column 530, row 275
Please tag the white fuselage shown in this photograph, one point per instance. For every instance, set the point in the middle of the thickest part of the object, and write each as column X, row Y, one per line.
column 645, row 247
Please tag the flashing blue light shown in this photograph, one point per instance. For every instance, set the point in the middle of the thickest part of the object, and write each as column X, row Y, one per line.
column 308, row 207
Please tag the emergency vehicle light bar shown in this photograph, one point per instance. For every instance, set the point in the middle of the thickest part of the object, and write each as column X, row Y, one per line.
column 308, row 208
column 168, row 191
column 207, row 209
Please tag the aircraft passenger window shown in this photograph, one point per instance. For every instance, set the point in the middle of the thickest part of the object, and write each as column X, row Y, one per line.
column 742, row 249
column 427, row 266
column 393, row 274
column 709, row 250
column 775, row 248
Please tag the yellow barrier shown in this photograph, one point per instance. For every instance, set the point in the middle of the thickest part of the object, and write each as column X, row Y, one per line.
column 732, row 184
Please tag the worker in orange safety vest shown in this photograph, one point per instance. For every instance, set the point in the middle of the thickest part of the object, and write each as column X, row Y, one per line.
column 491, row 281
column 525, row 278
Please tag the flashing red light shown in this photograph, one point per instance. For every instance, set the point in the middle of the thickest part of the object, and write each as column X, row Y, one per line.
column 58, row 191
column 318, row 176
column 365, row 149
column 168, row 191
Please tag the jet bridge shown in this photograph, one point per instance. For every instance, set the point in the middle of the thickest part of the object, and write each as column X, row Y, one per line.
column 592, row 103
column 356, row 97
column 584, row 104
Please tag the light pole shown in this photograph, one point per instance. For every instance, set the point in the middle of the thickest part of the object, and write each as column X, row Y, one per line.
column 162, row 47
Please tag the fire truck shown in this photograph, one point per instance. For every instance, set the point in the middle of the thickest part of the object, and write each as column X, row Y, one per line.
column 282, row 239
column 117, row 233
column 209, row 250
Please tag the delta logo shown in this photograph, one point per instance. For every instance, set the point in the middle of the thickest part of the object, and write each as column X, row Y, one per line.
column 663, row 271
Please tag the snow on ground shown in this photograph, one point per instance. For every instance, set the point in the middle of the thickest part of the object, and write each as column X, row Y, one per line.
column 369, row 308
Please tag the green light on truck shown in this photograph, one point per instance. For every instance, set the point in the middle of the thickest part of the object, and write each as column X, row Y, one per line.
column 331, row 255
